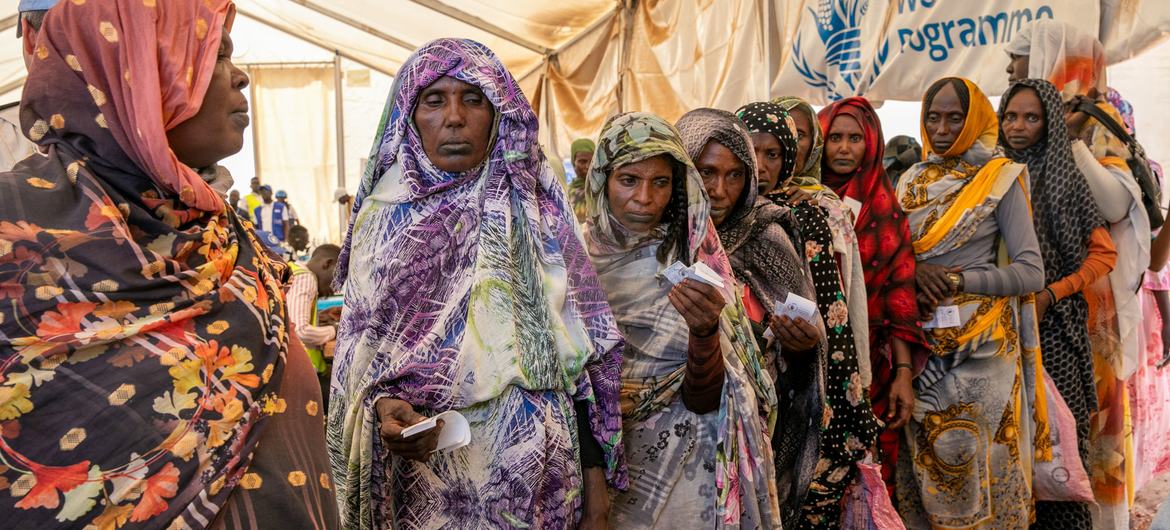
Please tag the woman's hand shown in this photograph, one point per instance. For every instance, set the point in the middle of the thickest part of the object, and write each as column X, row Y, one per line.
column 901, row 399
column 797, row 196
column 934, row 282
column 1043, row 302
column 699, row 304
column 595, row 506
column 795, row 335
column 394, row 415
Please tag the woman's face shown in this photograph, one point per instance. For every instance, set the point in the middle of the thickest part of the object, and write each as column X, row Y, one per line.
column 638, row 193
column 804, row 136
column 454, row 120
column 1023, row 119
column 769, row 161
column 581, row 162
column 844, row 145
column 217, row 130
column 945, row 119
column 1017, row 69
column 724, row 178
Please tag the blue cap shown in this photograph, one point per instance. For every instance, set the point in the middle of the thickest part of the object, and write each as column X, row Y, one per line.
column 281, row 194
column 265, row 187
column 269, row 240
column 35, row 5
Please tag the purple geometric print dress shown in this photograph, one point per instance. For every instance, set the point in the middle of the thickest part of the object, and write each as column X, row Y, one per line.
column 472, row 292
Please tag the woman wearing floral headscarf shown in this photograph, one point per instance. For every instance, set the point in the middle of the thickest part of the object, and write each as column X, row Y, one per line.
column 150, row 378
column 972, row 436
column 697, row 403
column 467, row 288
column 851, row 427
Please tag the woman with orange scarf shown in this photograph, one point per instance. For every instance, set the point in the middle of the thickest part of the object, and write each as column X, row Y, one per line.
column 972, row 436
column 149, row 375
column 852, row 168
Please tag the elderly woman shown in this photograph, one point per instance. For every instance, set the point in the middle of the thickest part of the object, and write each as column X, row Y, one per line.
column 758, row 236
column 1076, row 248
column 851, row 427
column 1074, row 62
column 697, row 403
column 971, row 436
column 150, row 376
column 468, row 289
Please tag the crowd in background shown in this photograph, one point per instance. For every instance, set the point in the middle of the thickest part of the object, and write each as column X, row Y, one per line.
column 761, row 318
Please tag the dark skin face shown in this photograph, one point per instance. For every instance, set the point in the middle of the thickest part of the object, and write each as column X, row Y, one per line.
column 724, row 177
column 266, row 194
column 844, row 145
column 324, row 265
column 769, row 161
column 581, row 162
column 638, row 193
column 298, row 240
column 234, row 197
column 454, row 120
column 1017, row 69
column 1023, row 119
column 945, row 119
column 217, row 130
column 255, row 185
column 804, row 137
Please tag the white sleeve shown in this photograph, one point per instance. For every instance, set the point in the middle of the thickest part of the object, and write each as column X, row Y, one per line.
column 1107, row 184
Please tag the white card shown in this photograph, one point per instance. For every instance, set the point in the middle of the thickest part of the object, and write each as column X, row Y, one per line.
column 456, row 431
column 797, row 307
column 946, row 316
column 675, row 273
column 854, row 205
column 701, row 272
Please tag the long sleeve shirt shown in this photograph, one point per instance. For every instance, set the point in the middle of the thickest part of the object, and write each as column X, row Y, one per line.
column 1098, row 263
column 302, row 295
column 977, row 258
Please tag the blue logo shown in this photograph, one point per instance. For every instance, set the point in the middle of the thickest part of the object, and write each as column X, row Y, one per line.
column 838, row 24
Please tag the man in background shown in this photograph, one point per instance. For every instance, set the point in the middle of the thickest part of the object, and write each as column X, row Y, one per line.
column 282, row 197
column 309, row 282
column 252, row 200
column 271, row 216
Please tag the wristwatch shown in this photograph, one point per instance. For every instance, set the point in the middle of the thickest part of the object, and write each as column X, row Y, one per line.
column 956, row 281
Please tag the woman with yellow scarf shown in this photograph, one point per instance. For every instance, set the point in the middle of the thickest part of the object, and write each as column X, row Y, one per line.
column 971, row 438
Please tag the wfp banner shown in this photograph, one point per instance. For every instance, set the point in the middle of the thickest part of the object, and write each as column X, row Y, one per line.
column 894, row 49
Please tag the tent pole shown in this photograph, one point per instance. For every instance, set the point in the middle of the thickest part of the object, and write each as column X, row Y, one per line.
column 340, row 125
column 255, row 124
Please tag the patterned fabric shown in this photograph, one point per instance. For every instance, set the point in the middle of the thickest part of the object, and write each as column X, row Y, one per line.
column 1149, row 391
column 1070, row 59
column 810, row 174
column 774, row 119
column 494, row 310
column 883, row 239
column 1065, row 217
column 840, row 220
column 142, row 326
column 759, row 237
column 974, row 429
column 687, row 470
column 851, row 426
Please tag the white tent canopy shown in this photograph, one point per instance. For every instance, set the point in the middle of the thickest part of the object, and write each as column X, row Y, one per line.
column 321, row 69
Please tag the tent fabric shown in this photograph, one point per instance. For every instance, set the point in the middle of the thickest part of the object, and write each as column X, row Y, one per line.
column 580, row 62
column 298, row 155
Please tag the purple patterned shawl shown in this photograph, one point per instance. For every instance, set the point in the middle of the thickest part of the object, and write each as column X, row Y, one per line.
column 460, row 286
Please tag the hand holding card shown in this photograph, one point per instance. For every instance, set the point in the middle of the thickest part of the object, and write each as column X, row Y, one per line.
column 456, row 431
